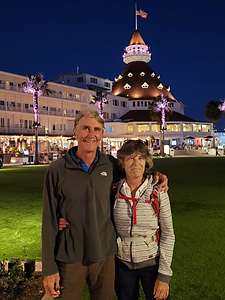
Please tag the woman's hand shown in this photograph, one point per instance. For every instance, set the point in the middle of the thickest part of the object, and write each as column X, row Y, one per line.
column 161, row 290
column 161, row 180
column 62, row 224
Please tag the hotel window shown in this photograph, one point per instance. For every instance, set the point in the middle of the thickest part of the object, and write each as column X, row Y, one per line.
column 2, row 123
column 2, row 102
column 21, row 123
column 143, row 128
column 26, row 106
column 197, row 127
column 113, row 116
column 77, row 96
column 11, row 83
column 107, row 84
column 80, row 79
column 116, row 102
column 205, row 128
column 123, row 104
column 156, row 128
column 173, row 127
column 53, row 127
column 106, row 115
column 134, row 104
column 25, row 124
column 138, row 103
column 30, row 124
column 130, row 128
column 93, row 80
column 13, row 104
column 187, row 127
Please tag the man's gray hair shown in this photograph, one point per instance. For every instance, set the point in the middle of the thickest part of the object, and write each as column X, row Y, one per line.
column 88, row 113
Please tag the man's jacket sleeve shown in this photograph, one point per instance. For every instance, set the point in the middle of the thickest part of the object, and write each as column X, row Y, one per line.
column 49, row 223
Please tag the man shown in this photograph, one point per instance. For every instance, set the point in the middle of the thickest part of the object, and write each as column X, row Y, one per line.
column 77, row 188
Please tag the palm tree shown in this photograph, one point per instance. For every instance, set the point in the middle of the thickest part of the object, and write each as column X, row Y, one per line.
column 212, row 111
column 158, row 110
column 36, row 86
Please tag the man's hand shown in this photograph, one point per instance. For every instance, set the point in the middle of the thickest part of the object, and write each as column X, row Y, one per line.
column 63, row 223
column 51, row 285
column 161, row 180
column 161, row 290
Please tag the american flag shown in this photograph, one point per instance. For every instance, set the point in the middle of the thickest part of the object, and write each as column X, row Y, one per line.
column 142, row 13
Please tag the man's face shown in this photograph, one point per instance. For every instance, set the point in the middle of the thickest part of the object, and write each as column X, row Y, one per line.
column 88, row 133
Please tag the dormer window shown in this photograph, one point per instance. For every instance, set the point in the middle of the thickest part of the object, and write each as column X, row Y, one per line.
column 160, row 86
column 142, row 74
column 153, row 74
column 145, row 85
column 130, row 75
column 127, row 86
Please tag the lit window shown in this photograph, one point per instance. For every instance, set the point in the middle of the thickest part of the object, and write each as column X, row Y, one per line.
column 145, row 85
column 127, row 86
column 160, row 86
column 130, row 128
column 143, row 128
column 130, row 74
column 156, row 128
column 142, row 74
column 187, row 127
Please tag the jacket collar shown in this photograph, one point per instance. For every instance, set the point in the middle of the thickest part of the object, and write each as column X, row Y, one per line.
column 73, row 162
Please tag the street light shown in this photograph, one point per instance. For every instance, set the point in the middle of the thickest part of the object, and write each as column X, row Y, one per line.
column 36, row 86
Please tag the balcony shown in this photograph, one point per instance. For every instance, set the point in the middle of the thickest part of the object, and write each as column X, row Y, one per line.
column 52, row 94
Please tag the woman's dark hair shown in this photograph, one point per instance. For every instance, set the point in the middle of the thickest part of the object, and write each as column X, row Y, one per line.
column 136, row 146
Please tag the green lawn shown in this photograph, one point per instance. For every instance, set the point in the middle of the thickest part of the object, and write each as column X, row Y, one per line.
column 197, row 192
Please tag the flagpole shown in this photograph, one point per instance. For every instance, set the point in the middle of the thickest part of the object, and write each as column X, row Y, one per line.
column 135, row 15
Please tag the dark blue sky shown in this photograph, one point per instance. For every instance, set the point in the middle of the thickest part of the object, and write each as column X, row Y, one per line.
column 186, row 38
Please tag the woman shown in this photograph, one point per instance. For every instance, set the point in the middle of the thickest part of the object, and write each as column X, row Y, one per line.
column 143, row 222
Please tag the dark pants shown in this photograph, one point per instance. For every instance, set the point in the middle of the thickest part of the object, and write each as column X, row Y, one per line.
column 98, row 276
column 127, row 281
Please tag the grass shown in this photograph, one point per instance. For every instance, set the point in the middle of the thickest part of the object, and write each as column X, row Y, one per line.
column 197, row 193
column 20, row 211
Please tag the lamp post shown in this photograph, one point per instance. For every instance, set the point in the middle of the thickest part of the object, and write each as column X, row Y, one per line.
column 162, row 106
column 36, row 86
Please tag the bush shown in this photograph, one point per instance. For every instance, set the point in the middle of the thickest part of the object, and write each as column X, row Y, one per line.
column 17, row 284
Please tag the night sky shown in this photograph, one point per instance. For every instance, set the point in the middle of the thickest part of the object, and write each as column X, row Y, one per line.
column 186, row 39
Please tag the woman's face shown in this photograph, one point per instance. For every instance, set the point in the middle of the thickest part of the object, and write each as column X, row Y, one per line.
column 134, row 165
